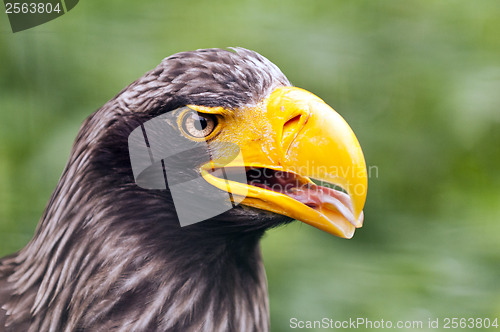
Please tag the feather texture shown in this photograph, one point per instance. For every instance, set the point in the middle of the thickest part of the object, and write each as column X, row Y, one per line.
column 110, row 256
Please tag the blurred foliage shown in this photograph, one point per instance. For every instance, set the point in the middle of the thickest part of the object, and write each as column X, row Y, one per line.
column 418, row 81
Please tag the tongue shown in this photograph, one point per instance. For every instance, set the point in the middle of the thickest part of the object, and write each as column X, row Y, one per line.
column 323, row 198
column 331, row 202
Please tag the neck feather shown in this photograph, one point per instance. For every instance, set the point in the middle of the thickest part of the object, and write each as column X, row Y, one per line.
column 106, row 255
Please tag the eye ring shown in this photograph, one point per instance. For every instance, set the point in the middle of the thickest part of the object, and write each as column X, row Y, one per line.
column 198, row 125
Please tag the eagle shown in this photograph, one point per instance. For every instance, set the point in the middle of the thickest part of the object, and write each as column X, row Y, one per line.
column 117, row 249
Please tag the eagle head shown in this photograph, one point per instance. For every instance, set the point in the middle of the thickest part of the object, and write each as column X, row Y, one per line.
column 155, row 222
column 230, row 134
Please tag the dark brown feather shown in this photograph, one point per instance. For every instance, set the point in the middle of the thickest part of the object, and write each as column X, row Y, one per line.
column 110, row 256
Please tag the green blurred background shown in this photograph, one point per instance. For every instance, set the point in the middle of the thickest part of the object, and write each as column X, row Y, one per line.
column 418, row 81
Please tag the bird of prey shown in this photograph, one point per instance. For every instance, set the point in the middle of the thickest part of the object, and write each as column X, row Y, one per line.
column 110, row 254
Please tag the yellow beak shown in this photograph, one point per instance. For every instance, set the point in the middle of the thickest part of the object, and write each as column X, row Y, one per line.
column 301, row 146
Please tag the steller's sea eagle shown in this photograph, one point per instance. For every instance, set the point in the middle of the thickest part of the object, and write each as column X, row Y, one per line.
column 110, row 254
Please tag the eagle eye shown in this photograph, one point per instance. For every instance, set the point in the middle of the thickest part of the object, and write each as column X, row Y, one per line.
column 198, row 125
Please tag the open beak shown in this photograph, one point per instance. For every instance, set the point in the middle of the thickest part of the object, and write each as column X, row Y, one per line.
column 301, row 160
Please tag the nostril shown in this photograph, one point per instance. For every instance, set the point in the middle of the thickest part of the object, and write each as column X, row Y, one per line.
column 291, row 129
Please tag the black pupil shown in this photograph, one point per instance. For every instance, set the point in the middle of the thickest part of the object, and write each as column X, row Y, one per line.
column 200, row 122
